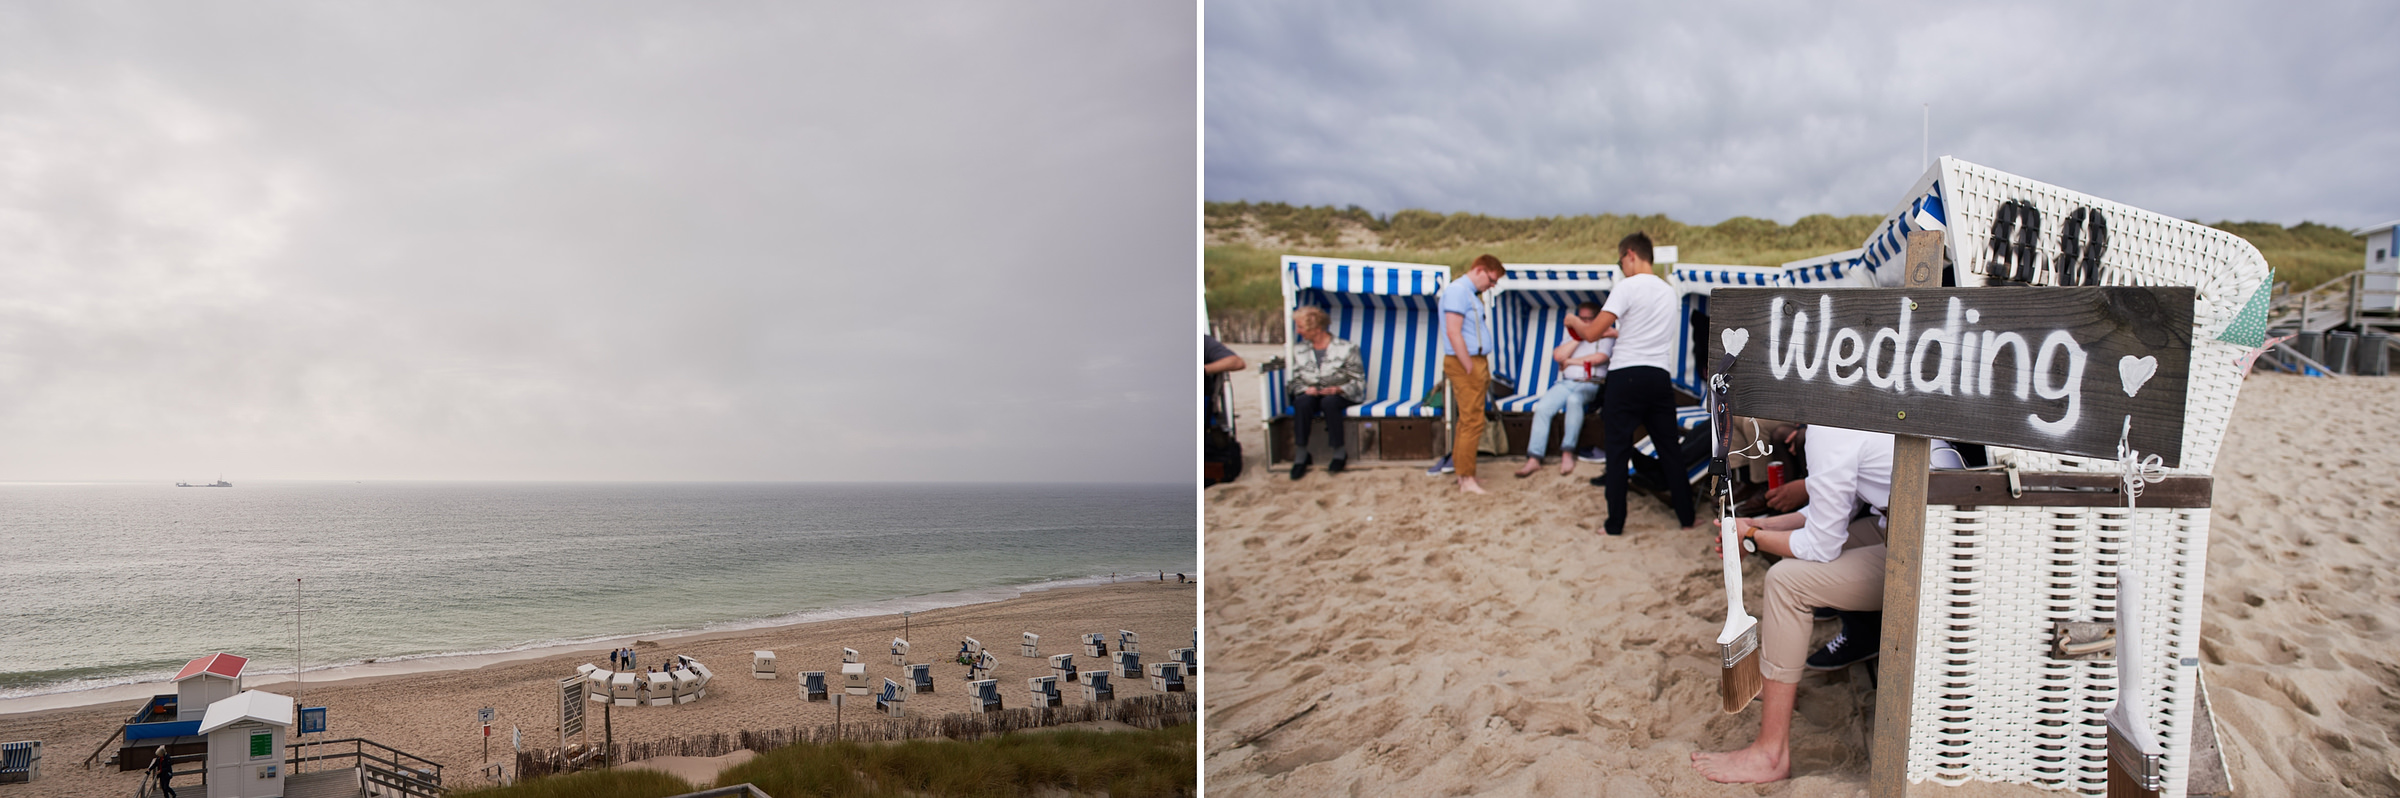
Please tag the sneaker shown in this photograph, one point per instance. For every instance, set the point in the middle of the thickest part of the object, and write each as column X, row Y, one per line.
column 1843, row 652
column 1441, row 467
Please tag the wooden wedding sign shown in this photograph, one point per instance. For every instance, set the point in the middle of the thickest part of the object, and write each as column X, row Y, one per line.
column 2041, row 368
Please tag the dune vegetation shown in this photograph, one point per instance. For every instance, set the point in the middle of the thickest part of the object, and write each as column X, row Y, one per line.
column 1245, row 238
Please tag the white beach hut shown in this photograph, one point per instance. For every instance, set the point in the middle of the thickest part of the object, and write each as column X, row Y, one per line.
column 245, row 744
column 207, row 680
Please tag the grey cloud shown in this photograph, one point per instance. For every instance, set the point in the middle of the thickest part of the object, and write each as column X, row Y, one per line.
column 734, row 241
column 2210, row 110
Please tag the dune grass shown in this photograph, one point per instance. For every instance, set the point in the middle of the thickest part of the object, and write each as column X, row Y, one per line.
column 1156, row 762
column 630, row 783
column 1242, row 285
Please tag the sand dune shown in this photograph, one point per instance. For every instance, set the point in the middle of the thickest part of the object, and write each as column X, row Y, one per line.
column 1376, row 633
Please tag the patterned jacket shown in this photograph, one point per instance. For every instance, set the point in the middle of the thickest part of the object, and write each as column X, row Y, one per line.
column 1338, row 366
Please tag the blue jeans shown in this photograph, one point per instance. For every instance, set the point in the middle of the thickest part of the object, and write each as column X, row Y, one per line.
column 1573, row 396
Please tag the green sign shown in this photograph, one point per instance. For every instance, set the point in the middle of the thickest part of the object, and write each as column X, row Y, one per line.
column 262, row 744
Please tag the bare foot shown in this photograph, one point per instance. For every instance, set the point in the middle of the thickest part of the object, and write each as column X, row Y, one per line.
column 1750, row 765
column 1532, row 464
column 1469, row 485
column 1566, row 465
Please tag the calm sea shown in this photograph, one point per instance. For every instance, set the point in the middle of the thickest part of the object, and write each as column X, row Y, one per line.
column 106, row 584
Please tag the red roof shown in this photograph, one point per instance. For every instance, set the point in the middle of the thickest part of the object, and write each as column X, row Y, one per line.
column 225, row 665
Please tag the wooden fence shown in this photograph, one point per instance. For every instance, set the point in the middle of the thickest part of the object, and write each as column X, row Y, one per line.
column 1148, row 712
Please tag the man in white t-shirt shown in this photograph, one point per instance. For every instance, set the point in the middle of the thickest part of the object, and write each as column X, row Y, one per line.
column 1580, row 366
column 1642, row 311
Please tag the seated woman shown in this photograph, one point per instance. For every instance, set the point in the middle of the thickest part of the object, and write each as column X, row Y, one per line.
column 1582, row 366
column 1326, row 377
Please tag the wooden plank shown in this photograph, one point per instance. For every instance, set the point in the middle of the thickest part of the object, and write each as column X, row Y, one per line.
column 1904, row 536
column 2046, row 489
column 2038, row 368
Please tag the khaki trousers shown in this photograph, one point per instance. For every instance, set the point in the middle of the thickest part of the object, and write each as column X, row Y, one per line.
column 1795, row 587
column 1466, row 400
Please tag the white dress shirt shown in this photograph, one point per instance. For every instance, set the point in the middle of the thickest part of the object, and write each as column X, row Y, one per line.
column 1845, row 467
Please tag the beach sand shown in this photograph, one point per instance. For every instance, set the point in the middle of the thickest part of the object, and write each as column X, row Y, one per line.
column 1376, row 633
column 432, row 714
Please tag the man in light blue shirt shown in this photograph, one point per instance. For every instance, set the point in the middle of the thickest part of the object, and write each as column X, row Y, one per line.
column 1466, row 356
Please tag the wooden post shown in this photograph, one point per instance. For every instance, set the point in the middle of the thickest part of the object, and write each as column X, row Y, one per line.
column 1903, row 568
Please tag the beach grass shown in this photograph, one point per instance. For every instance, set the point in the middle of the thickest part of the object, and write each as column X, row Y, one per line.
column 1245, row 238
column 625, row 783
column 1155, row 762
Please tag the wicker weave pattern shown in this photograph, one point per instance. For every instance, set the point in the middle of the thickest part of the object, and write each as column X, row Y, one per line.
column 1990, row 703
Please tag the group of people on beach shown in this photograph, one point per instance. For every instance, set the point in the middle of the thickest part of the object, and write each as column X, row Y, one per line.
column 1824, row 527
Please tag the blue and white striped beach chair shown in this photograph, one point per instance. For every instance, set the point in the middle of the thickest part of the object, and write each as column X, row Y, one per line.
column 1390, row 310
column 1529, row 309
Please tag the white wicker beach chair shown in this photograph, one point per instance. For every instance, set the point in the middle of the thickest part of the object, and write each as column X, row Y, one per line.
column 1129, row 664
column 1989, row 703
column 849, row 655
column 899, row 652
column 1044, row 689
column 20, row 761
column 921, row 675
column 854, row 679
column 1097, row 688
column 762, row 664
column 892, row 701
column 1095, row 645
column 1032, row 647
column 1063, row 666
column 1128, row 641
column 1167, row 677
column 812, row 686
column 1190, row 657
column 687, row 685
column 983, row 695
column 660, row 689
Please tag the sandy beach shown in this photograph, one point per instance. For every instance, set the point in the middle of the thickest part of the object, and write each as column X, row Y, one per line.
column 1375, row 632
column 433, row 714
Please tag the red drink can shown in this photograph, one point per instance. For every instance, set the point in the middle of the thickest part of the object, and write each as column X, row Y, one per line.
column 1774, row 475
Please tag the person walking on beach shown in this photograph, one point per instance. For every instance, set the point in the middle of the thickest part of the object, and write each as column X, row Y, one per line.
column 1641, row 309
column 1466, row 353
column 163, row 770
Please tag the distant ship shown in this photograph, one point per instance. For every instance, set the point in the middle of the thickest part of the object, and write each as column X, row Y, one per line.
column 220, row 483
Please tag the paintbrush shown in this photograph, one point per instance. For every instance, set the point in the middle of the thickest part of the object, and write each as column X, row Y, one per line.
column 1738, row 643
column 2134, row 755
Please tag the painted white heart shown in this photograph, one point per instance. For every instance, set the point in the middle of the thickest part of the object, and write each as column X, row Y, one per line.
column 2134, row 371
column 1735, row 339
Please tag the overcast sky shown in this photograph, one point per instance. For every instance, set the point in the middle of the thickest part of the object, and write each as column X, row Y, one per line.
column 2214, row 110
column 675, row 241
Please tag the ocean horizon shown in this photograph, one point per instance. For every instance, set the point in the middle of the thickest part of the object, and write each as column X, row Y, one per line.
column 111, row 584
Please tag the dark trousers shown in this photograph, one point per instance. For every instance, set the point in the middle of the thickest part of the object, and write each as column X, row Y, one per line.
column 1305, row 407
column 1642, row 396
